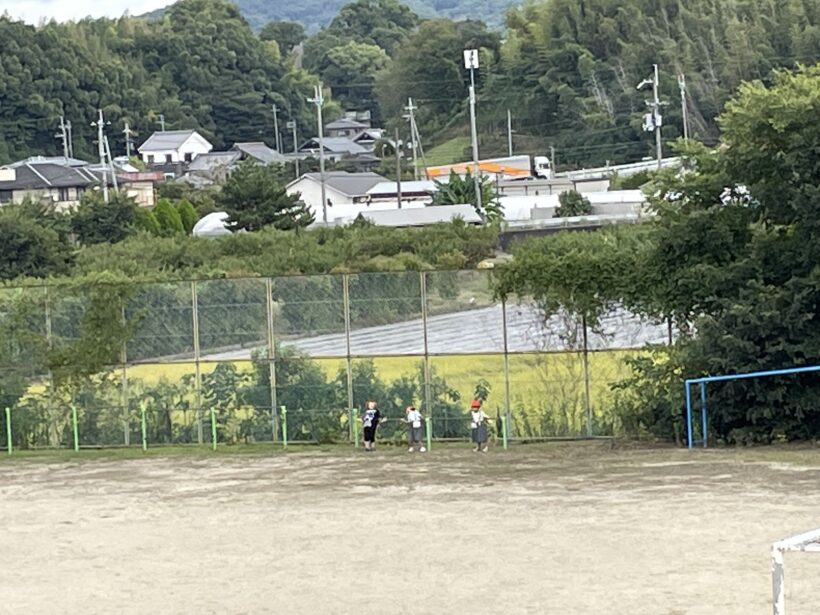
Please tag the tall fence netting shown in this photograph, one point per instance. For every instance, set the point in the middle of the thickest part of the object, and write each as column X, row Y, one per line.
column 264, row 360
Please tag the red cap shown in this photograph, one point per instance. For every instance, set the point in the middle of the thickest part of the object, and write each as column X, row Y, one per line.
column 475, row 404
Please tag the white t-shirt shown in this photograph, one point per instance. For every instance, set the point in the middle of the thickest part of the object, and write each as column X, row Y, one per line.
column 414, row 418
column 477, row 417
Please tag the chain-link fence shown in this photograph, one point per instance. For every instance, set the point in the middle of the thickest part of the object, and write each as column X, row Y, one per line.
column 294, row 358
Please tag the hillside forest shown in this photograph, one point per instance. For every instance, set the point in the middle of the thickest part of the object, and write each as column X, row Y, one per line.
column 566, row 70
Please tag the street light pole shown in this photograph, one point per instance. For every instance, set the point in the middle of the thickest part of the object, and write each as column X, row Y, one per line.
column 318, row 100
column 471, row 63
column 684, row 109
column 656, row 106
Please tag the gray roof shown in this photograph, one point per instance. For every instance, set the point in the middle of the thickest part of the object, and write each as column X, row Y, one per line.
column 40, row 176
column 434, row 214
column 59, row 160
column 170, row 139
column 373, row 134
column 335, row 145
column 345, row 124
column 350, row 184
column 260, row 152
column 407, row 187
column 205, row 163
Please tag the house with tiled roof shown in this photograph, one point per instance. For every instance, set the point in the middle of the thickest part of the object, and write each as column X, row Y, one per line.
column 173, row 147
column 61, row 182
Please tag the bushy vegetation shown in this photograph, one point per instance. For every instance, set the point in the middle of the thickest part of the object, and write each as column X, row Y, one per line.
column 731, row 260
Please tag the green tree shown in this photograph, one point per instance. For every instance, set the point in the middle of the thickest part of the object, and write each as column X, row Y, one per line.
column 572, row 203
column 287, row 34
column 147, row 221
column 429, row 66
column 168, row 219
column 461, row 190
column 187, row 215
column 254, row 198
column 735, row 251
column 384, row 23
column 350, row 70
column 31, row 244
column 95, row 221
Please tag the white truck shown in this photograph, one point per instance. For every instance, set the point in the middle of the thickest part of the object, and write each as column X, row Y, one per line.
column 509, row 167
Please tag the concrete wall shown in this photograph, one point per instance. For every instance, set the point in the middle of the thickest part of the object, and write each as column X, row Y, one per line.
column 142, row 193
column 71, row 197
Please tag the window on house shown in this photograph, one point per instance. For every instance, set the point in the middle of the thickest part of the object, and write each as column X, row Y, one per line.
column 150, row 159
column 62, row 195
column 169, row 158
column 6, row 196
column 189, row 157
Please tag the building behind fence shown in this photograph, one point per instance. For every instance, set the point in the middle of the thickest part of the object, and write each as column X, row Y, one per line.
column 317, row 345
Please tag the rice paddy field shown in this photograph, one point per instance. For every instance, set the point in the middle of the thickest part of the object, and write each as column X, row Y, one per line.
column 539, row 384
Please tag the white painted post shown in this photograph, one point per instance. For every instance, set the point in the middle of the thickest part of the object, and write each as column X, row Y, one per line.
column 778, row 590
column 808, row 542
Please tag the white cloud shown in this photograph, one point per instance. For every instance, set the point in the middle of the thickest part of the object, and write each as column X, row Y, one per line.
column 33, row 11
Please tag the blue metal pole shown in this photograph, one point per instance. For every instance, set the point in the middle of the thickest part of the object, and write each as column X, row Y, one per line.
column 703, row 412
column 688, row 413
column 774, row 372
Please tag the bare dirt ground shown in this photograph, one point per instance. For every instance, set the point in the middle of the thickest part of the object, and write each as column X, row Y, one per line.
column 558, row 529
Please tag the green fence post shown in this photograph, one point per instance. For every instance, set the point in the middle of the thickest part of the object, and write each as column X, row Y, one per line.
column 213, row 428
column 429, row 422
column 8, row 430
column 356, row 427
column 144, row 424
column 284, row 426
column 74, row 426
column 504, row 431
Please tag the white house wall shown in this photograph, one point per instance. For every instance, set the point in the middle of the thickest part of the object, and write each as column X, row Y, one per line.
column 311, row 192
column 195, row 145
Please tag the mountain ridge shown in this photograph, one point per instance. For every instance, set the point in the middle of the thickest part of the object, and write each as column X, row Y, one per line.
column 315, row 14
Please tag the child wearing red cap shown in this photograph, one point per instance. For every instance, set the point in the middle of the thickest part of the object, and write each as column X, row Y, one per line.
column 478, row 425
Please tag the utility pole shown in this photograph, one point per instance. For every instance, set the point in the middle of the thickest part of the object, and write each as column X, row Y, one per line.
column 410, row 108
column 509, row 134
column 398, row 169
column 100, row 124
column 552, row 160
column 70, row 139
column 683, row 106
column 292, row 126
column 111, row 166
column 129, row 143
column 276, row 129
column 318, row 100
column 162, row 122
column 654, row 120
column 63, row 136
column 471, row 63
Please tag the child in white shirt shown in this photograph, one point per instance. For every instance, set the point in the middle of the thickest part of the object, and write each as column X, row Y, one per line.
column 415, row 434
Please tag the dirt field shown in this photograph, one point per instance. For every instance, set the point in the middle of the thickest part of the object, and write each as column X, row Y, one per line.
column 560, row 529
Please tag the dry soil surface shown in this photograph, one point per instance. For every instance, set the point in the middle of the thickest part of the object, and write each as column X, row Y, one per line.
column 547, row 529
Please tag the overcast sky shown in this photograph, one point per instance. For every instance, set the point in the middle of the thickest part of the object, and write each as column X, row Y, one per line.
column 33, row 11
